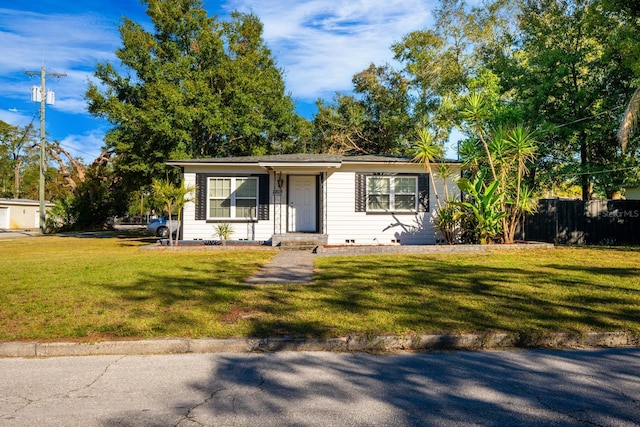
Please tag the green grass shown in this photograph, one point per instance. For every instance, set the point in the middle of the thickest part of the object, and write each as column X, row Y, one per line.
column 66, row 287
column 105, row 288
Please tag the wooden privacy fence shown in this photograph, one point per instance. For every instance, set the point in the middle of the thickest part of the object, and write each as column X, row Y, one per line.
column 595, row 222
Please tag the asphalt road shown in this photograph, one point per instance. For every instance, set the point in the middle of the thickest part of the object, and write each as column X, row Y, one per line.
column 525, row 388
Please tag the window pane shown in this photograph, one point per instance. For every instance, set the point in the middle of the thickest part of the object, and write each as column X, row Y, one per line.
column 405, row 186
column 405, row 202
column 246, row 187
column 378, row 185
column 245, row 208
column 219, row 187
column 220, row 208
column 378, row 202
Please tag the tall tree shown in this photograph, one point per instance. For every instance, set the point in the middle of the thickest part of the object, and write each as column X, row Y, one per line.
column 569, row 71
column 340, row 127
column 194, row 87
column 389, row 107
column 440, row 61
column 375, row 119
column 629, row 120
column 16, row 152
column 629, row 13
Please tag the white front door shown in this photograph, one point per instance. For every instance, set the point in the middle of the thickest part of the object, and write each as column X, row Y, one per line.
column 302, row 203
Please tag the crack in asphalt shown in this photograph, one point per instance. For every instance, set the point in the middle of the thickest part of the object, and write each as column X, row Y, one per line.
column 97, row 378
column 259, row 387
column 189, row 417
column 634, row 400
column 29, row 402
column 566, row 414
column 26, row 400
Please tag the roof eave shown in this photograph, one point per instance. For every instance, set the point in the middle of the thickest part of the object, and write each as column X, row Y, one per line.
column 314, row 165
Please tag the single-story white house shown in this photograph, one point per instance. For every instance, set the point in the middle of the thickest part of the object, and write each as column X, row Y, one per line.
column 321, row 198
column 20, row 214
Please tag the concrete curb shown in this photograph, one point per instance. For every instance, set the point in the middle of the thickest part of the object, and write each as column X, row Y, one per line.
column 382, row 344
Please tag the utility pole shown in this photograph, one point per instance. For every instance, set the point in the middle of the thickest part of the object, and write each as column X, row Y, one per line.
column 43, row 163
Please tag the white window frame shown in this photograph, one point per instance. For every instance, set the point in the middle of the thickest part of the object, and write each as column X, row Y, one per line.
column 392, row 193
column 233, row 198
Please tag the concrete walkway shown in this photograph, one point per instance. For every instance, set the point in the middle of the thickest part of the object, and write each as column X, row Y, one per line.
column 287, row 267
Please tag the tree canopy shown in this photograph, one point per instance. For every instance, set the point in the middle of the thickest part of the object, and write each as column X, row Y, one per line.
column 567, row 68
column 192, row 87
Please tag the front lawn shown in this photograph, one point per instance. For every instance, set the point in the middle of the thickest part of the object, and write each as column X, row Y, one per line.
column 105, row 288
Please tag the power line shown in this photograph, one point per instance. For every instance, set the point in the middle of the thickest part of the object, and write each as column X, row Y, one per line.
column 602, row 113
column 77, row 150
column 598, row 172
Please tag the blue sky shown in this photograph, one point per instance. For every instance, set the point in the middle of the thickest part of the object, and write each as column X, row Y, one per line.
column 320, row 44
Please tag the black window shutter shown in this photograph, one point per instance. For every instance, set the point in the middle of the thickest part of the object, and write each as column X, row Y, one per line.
column 263, row 197
column 361, row 192
column 201, row 196
column 423, row 192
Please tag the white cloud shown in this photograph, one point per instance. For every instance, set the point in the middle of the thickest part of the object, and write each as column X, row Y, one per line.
column 87, row 146
column 16, row 118
column 321, row 44
column 71, row 44
column 60, row 41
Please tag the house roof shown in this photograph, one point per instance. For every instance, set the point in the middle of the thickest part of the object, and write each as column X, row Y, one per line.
column 24, row 202
column 334, row 160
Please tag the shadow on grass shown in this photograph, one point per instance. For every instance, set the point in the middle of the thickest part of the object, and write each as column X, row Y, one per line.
column 127, row 238
column 630, row 272
column 185, row 302
column 390, row 295
column 436, row 295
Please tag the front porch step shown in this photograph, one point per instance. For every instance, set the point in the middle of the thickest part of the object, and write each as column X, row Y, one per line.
column 312, row 248
column 301, row 241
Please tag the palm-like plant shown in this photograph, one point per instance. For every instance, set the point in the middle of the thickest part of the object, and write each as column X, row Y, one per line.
column 629, row 120
column 484, row 205
column 173, row 198
column 507, row 152
column 476, row 112
column 224, row 230
column 522, row 148
column 426, row 151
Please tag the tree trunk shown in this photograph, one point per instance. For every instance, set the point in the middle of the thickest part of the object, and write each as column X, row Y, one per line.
column 63, row 168
column 587, row 188
column 16, row 179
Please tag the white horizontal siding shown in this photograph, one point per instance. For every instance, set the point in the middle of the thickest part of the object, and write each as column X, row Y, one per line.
column 199, row 229
column 345, row 225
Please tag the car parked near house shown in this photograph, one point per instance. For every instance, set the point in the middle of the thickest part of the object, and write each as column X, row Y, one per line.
column 160, row 227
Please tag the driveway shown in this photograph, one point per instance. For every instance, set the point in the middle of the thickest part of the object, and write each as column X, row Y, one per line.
column 15, row 234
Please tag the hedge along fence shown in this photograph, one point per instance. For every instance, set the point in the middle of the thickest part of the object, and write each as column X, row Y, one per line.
column 576, row 222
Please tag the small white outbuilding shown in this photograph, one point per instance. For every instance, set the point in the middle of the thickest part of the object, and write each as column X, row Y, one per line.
column 20, row 214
